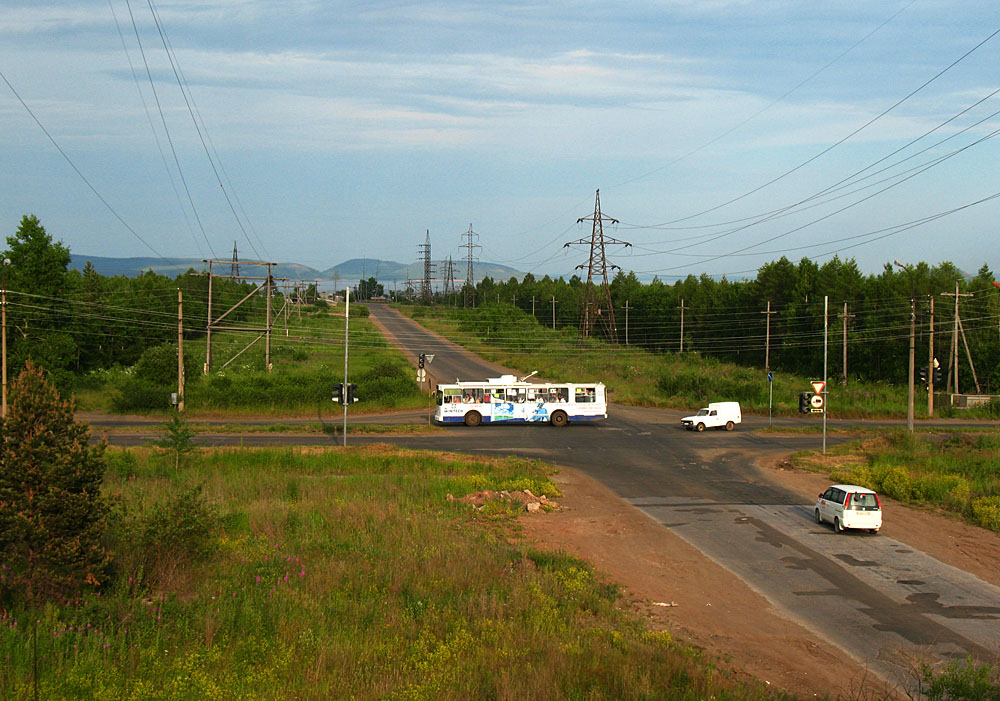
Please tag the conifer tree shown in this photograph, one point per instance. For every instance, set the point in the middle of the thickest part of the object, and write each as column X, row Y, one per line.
column 52, row 514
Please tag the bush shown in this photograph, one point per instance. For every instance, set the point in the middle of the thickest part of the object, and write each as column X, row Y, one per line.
column 149, row 546
column 159, row 365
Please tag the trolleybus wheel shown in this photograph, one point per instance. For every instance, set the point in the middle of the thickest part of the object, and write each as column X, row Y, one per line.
column 473, row 418
column 559, row 418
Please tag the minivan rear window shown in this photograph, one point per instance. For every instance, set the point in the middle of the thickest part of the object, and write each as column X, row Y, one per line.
column 863, row 501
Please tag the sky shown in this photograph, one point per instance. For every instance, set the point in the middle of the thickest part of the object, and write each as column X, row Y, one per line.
column 721, row 134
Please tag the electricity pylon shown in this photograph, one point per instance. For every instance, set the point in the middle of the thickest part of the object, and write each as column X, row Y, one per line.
column 597, row 306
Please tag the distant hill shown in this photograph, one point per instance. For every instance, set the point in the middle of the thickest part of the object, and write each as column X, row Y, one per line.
column 386, row 271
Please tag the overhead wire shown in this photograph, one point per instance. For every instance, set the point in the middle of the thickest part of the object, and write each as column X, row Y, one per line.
column 73, row 165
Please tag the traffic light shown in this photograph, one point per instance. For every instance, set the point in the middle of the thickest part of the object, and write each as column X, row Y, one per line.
column 420, row 361
column 937, row 375
column 804, row 402
column 922, row 371
column 352, row 393
column 338, row 393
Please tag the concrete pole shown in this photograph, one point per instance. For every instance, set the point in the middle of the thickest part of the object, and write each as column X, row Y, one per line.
column 930, row 365
column 913, row 358
column 180, row 351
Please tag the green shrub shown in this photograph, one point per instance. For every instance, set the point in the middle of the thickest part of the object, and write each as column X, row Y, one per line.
column 986, row 512
column 150, row 544
column 961, row 681
column 137, row 394
column 159, row 365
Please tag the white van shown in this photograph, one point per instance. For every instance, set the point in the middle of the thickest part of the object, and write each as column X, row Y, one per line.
column 715, row 415
column 849, row 506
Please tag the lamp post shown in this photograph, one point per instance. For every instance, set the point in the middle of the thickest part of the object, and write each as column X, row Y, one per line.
column 3, row 323
column 913, row 337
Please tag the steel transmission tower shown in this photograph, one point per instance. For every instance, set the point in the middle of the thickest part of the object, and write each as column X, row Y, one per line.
column 597, row 306
column 449, row 277
column 470, row 276
column 235, row 270
column 425, row 283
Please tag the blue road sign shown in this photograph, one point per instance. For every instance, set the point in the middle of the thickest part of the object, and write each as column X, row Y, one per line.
column 770, row 377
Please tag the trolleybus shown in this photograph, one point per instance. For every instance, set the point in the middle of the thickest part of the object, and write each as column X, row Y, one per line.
column 510, row 400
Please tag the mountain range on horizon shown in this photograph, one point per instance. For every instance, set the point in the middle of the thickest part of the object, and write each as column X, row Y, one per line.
column 354, row 269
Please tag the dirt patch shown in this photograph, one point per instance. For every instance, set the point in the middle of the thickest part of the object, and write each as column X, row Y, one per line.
column 675, row 588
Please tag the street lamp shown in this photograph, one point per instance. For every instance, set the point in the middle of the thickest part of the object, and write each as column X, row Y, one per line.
column 3, row 323
column 913, row 337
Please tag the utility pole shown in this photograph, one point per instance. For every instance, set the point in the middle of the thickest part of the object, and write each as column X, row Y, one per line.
column 553, row 311
column 845, row 316
column 953, row 356
column 3, row 307
column 913, row 360
column 347, row 323
column 626, row 322
column 180, row 351
column 930, row 364
column 682, row 326
column 767, row 341
column 470, row 277
column 532, row 306
column 599, row 307
column 826, row 346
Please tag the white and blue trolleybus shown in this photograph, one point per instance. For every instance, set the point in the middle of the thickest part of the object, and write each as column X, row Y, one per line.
column 510, row 400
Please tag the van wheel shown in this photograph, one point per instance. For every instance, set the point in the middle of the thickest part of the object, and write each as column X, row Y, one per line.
column 700, row 427
column 837, row 525
column 819, row 519
column 473, row 418
column 559, row 419
column 730, row 425
column 873, row 531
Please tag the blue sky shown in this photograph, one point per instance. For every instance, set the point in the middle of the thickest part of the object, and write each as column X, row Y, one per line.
column 347, row 130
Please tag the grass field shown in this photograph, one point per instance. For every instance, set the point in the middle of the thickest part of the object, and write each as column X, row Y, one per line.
column 341, row 573
column 957, row 471
column 509, row 336
column 307, row 359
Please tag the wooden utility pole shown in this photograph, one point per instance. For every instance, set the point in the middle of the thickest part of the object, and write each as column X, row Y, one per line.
column 682, row 326
column 553, row 311
column 767, row 337
column 845, row 316
column 180, row 351
column 532, row 305
column 3, row 307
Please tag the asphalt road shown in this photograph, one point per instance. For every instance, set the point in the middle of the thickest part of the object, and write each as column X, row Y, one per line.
column 879, row 600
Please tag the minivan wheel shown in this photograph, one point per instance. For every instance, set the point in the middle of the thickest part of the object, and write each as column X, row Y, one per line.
column 730, row 425
column 700, row 427
column 819, row 519
column 837, row 525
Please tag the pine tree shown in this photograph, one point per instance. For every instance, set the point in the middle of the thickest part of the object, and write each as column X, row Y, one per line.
column 52, row 514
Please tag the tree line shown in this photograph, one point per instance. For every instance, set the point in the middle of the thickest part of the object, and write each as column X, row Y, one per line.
column 729, row 319
column 72, row 322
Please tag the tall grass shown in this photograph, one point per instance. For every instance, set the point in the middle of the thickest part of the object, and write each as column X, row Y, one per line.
column 335, row 573
column 959, row 472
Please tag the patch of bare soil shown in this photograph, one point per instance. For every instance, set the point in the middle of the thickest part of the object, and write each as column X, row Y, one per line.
column 675, row 588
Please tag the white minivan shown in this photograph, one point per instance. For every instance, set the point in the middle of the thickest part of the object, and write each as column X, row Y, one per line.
column 849, row 506
column 716, row 415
